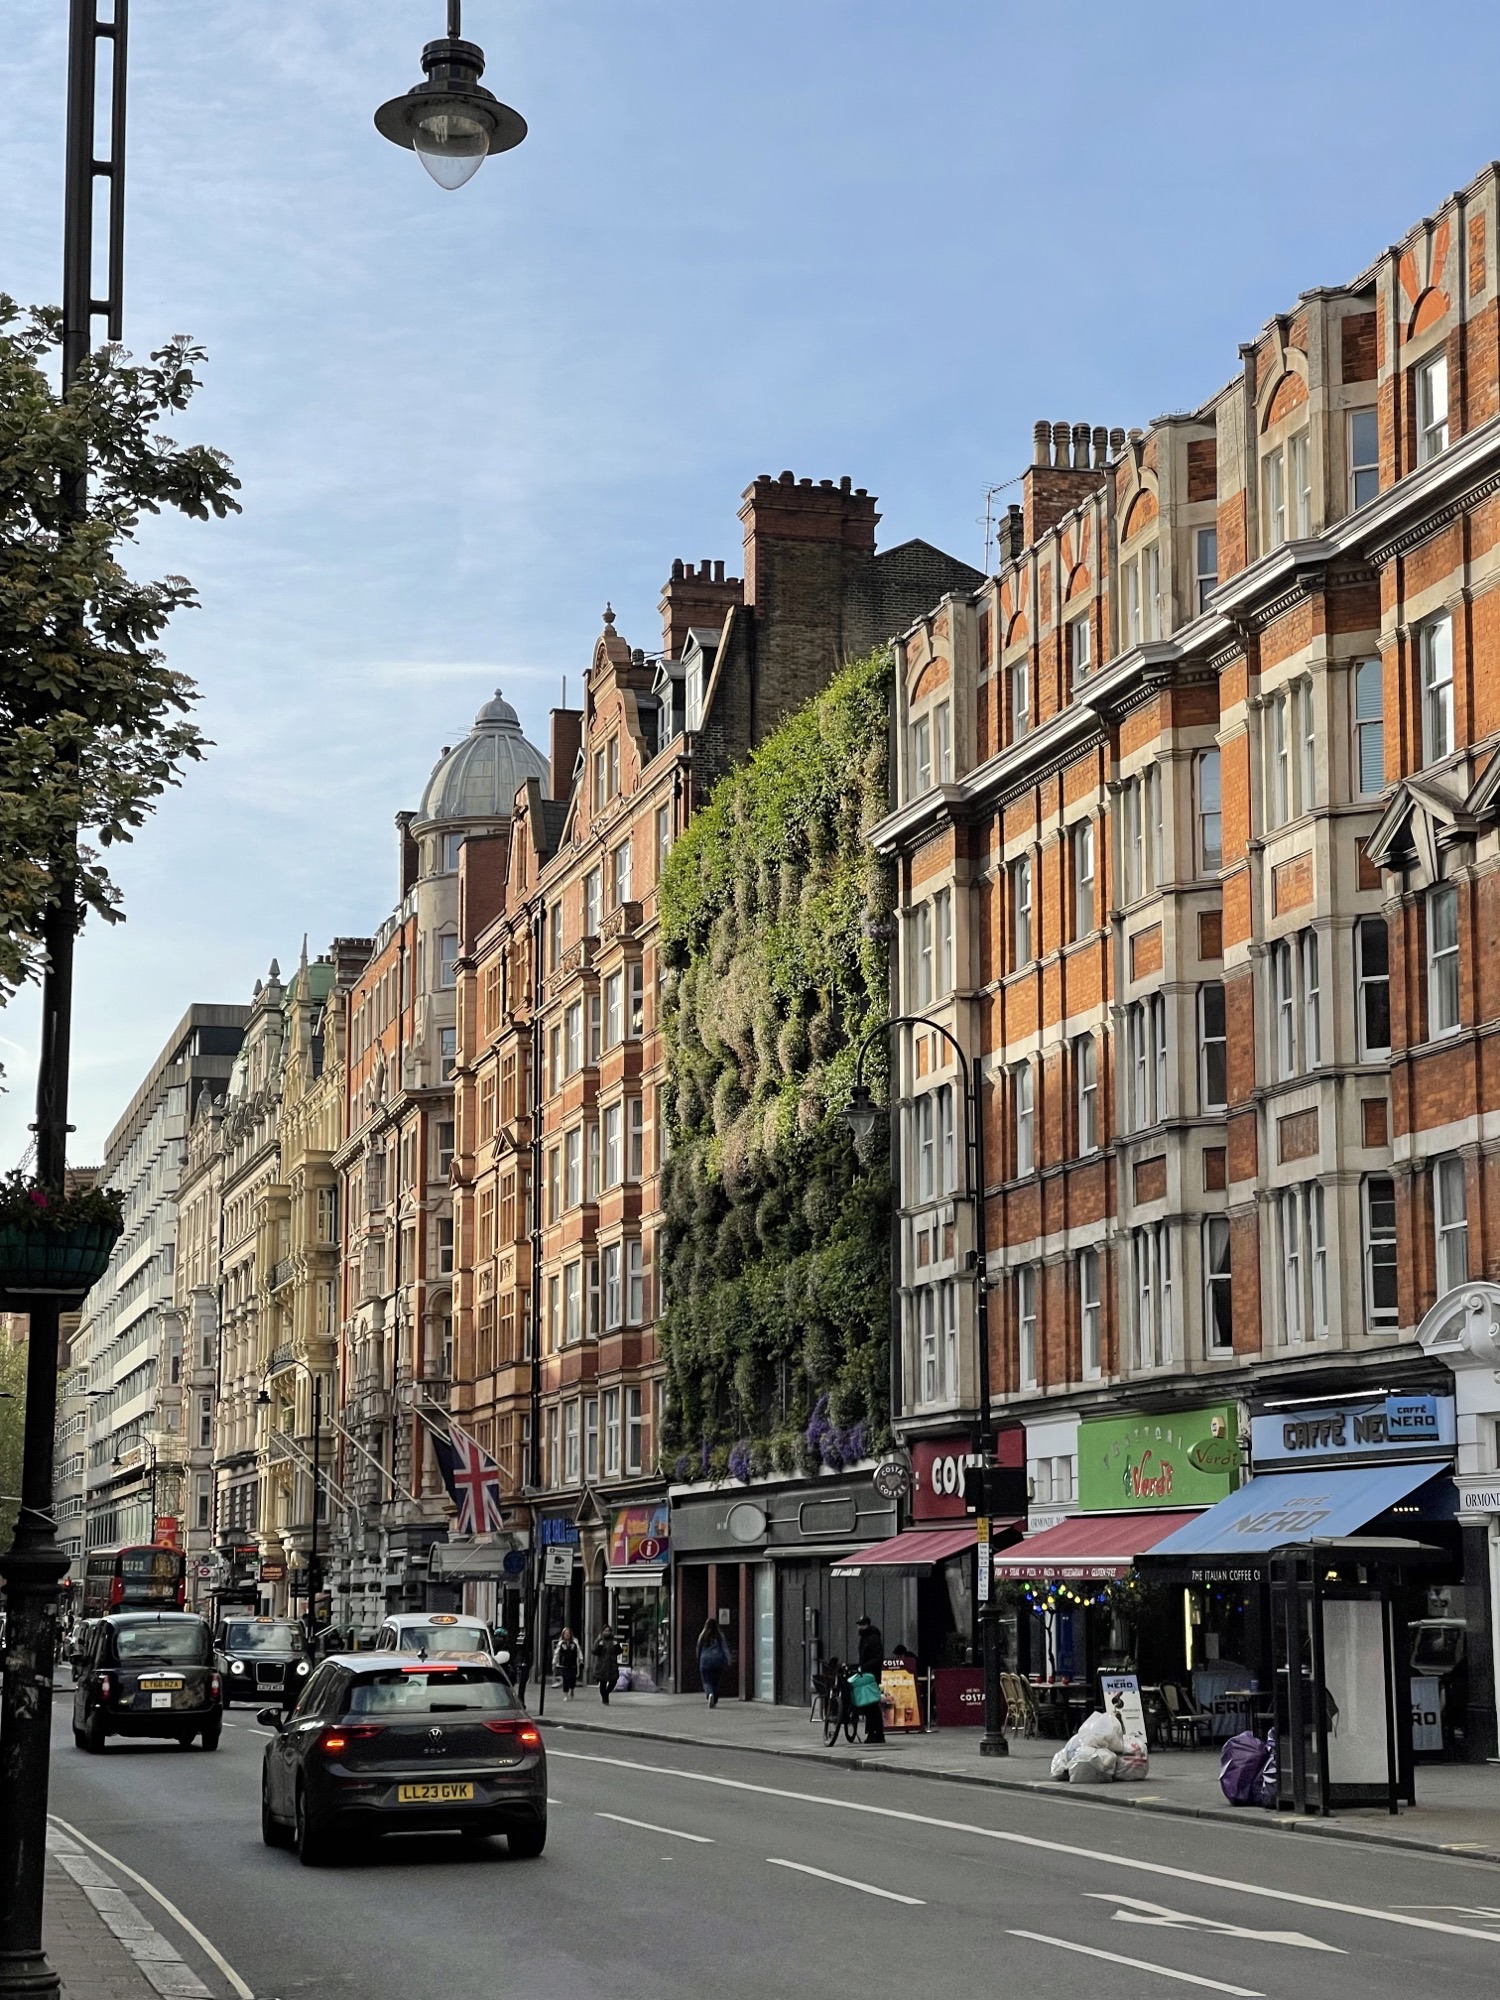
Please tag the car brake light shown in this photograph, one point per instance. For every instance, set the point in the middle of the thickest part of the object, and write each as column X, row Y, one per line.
column 214, row 1687
column 524, row 1732
column 104, row 1686
column 335, row 1740
column 117, row 1592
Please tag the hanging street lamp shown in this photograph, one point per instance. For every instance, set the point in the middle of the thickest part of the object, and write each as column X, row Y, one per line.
column 451, row 122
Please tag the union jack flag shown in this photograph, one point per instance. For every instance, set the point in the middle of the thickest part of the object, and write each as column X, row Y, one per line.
column 472, row 1479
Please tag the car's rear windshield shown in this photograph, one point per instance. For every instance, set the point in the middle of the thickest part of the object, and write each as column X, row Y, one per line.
column 255, row 1637
column 441, row 1642
column 432, row 1691
column 153, row 1642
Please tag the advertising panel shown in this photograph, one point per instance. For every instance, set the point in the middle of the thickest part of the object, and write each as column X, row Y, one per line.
column 639, row 1537
column 1375, row 1427
column 1179, row 1458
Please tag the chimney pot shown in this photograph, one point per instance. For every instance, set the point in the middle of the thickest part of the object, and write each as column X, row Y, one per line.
column 677, row 570
column 1081, row 446
column 1101, row 446
column 826, row 482
column 788, row 479
column 1041, row 442
column 804, row 482
column 718, row 572
column 844, row 484
column 861, row 492
column 1116, row 441
column 1060, row 444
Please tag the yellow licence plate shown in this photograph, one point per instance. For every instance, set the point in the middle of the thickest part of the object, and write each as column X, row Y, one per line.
column 433, row 1794
column 161, row 1684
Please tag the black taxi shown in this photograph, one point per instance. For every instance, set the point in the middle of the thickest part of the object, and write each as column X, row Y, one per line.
column 148, row 1673
column 258, row 1658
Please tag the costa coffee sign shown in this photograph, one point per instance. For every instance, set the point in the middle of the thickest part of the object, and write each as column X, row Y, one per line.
column 938, row 1465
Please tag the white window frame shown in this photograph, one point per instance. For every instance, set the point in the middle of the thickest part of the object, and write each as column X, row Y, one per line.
column 1379, row 1249
column 925, row 1152
column 1021, row 912
column 1366, row 983
column 1367, row 683
column 942, row 940
column 921, row 755
column 1205, row 565
column 610, row 1275
column 1299, row 483
column 612, row 1125
column 1080, row 649
column 1023, row 1104
column 942, row 742
column 1432, row 408
column 1450, row 1222
column 1310, row 978
column 1362, row 455
column 622, row 873
column 614, row 1009
column 1435, row 657
column 1026, row 1324
column 1218, row 1283
column 921, row 957
column 1082, row 842
column 610, row 1426
column 635, row 1282
column 1282, row 966
column 1444, row 1000
column 1018, row 688
column 1086, row 1090
column 1273, row 493
column 1090, row 1314
column 1208, row 796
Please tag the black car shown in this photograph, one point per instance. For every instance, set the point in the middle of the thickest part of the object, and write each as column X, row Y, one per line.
column 261, row 1657
column 147, row 1673
column 392, row 1743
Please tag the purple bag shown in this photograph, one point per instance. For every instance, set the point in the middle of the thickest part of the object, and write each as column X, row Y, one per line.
column 1241, row 1763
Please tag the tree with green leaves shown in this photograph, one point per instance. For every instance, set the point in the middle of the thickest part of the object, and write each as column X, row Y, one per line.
column 93, row 723
column 12, row 1431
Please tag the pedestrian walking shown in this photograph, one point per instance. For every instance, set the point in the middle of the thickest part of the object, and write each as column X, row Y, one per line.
column 713, row 1658
column 871, row 1660
column 567, row 1661
column 606, row 1663
column 520, row 1663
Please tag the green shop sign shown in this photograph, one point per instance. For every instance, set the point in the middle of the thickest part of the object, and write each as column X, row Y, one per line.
column 1183, row 1458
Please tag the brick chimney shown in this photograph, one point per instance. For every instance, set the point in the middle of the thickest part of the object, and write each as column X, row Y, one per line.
column 409, row 852
column 567, row 741
column 701, row 596
column 1067, row 465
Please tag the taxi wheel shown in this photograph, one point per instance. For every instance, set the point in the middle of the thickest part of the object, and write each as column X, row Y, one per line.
column 93, row 1733
column 211, row 1735
column 527, row 1842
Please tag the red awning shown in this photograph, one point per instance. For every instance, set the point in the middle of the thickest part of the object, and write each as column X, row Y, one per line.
column 917, row 1548
column 1088, row 1547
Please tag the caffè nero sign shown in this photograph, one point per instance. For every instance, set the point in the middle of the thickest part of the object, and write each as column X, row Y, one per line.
column 1382, row 1427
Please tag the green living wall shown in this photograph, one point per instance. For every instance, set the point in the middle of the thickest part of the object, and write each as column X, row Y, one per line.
column 774, row 916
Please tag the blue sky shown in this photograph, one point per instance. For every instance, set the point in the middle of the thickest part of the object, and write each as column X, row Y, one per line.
column 875, row 237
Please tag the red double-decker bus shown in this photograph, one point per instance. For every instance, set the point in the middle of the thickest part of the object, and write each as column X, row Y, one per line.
column 140, row 1576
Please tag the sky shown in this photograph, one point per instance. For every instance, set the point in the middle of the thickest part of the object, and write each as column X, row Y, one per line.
column 874, row 237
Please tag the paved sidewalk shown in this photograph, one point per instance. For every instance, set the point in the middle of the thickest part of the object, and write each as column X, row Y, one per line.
column 97, row 1940
column 1457, row 1810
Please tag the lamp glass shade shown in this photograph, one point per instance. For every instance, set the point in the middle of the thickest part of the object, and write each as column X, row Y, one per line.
column 860, row 1113
column 451, row 144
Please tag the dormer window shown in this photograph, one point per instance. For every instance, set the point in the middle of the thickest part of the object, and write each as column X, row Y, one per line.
column 693, row 704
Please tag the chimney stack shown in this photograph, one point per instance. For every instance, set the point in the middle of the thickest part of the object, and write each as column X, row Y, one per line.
column 1067, row 464
column 567, row 741
column 695, row 596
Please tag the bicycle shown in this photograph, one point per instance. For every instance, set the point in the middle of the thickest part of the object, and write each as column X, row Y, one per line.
column 839, row 1712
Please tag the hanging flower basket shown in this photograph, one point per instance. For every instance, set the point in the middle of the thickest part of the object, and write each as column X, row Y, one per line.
column 54, row 1243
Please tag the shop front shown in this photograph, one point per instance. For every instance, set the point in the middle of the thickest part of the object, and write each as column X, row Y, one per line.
column 640, row 1603
column 1081, row 1600
column 757, row 1561
column 1362, row 1485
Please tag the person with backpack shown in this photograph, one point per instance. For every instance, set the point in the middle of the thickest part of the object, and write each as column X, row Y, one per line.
column 567, row 1661
column 871, row 1660
column 713, row 1658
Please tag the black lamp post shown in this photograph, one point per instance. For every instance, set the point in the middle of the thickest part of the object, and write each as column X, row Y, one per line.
column 451, row 122
column 34, row 1566
column 860, row 1113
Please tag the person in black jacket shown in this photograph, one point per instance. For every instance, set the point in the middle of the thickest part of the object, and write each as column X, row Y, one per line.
column 606, row 1664
column 871, row 1660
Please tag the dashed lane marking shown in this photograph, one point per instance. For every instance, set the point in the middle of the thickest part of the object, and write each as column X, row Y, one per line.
column 650, row 1826
column 848, row 1882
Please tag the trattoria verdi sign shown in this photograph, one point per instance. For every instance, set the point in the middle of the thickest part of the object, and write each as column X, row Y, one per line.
column 1180, row 1458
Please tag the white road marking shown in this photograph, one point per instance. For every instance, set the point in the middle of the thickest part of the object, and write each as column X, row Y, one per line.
column 1142, row 1965
column 1463, row 1909
column 1134, row 1911
column 1129, row 1861
column 848, row 1882
column 650, row 1826
column 159, row 1960
column 209, row 1950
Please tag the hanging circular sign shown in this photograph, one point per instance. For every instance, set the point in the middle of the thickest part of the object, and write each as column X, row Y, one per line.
column 893, row 1478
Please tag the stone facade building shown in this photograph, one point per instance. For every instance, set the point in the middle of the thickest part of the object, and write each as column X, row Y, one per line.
column 561, row 1087
column 393, row 1168
column 1196, row 825
column 127, row 1355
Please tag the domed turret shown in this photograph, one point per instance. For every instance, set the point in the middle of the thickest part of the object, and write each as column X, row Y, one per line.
column 479, row 778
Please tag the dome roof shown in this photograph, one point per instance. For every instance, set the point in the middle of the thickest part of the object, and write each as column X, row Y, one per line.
column 480, row 778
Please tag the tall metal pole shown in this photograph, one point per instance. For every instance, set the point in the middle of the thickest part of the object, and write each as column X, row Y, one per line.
column 312, row 1544
column 35, row 1565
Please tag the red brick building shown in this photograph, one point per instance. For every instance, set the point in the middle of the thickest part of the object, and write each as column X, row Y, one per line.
column 1197, row 834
